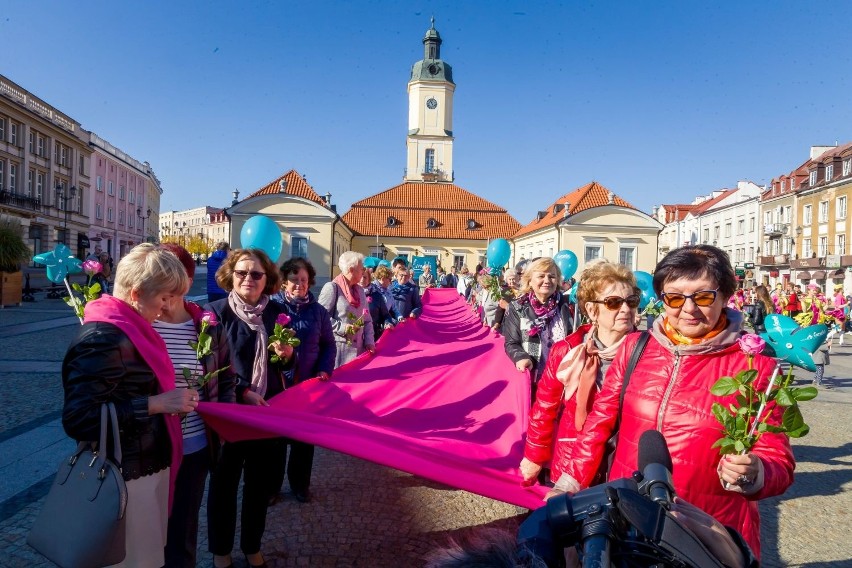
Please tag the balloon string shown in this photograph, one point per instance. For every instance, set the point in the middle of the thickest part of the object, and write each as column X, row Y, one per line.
column 73, row 298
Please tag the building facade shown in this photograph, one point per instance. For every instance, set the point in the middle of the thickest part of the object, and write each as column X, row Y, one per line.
column 592, row 222
column 45, row 171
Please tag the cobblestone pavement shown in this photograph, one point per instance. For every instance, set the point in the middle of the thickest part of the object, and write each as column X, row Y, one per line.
column 364, row 514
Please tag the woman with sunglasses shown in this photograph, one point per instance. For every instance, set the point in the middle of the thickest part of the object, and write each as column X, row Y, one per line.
column 575, row 368
column 692, row 344
column 248, row 317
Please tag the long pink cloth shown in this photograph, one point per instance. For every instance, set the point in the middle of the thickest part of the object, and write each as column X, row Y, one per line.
column 439, row 399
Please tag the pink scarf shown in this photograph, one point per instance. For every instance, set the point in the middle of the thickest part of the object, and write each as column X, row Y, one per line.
column 349, row 291
column 578, row 371
column 152, row 350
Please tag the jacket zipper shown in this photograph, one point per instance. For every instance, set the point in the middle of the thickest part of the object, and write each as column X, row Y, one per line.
column 668, row 392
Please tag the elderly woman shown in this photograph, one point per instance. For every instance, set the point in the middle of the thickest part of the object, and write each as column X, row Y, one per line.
column 692, row 344
column 539, row 318
column 382, row 306
column 118, row 357
column 179, row 324
column 346, row 303
column 576, row 366
column 406, row 296
column 247, row 318
column 314, row 356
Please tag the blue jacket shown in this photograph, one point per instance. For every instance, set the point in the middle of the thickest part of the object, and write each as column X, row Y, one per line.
column 407, row 298
column 381, row 311
column 312, row 325
column 213, row 264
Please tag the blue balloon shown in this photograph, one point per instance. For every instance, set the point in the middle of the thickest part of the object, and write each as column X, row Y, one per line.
column 385, row 263
column 566, row 261
column 498, row 253
column 644, row 281
column 59, row 263
column 371, row 262
column 646, row 297
column 262, row 233
column 572, row 293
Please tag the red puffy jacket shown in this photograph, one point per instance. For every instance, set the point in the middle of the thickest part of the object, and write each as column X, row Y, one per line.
column 541, row 446
column 670, row 391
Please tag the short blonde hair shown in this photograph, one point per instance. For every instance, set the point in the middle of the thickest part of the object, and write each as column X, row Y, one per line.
column 150, row 270
column 382, row 272
column 349, row 259
column 599, row 274
column 539, row 265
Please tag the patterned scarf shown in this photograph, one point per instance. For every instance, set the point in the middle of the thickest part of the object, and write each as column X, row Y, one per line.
column 579, row 369
column 678, row 339
column 544, row 312
column 252, row 316
column 350, row 291
column 306, row 299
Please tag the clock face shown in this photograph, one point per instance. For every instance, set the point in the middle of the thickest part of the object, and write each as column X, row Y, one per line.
column 432, row 104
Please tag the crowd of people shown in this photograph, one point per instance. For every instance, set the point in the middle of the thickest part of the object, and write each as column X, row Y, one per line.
column 592, row 377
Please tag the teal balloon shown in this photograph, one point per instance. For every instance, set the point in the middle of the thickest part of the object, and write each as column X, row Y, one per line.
column 566, row 261
column 787, row 341
column 572, row 293
column 385, row 263
column 372, row 262
column 59, row 263
column 644, row 281
column 646, row 297
column 498, row 253
column 262, row 233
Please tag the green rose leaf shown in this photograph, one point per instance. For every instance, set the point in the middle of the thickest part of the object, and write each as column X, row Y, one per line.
column 792, row 419
column 725, row 386
column 804, row 393
column 785, row 397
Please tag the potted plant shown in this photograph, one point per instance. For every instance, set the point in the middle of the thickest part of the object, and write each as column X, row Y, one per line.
column 13, row 252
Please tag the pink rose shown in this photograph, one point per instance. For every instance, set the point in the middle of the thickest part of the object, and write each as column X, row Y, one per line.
column 366, row 312
column 209, row 318
column 751, row 344
column 283, row 319
column 92, row 267
column 369, row 299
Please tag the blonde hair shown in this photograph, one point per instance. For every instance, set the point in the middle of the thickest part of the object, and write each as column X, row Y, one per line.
column 382, row 272
column 539, row 265
column 151, row 270
column 597, row 275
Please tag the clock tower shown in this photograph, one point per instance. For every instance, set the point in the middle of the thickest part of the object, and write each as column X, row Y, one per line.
column 430, row 115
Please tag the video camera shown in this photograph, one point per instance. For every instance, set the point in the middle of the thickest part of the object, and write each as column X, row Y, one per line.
column 624, row 523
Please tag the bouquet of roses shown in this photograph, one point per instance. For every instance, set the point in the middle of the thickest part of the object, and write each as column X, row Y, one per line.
column 282, row 334
column 492, row 285
column 744, row 421
column 355, row 325
column 89, row 291
column 203, row 347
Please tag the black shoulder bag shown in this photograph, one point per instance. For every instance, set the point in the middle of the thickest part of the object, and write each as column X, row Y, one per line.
column 612, row 442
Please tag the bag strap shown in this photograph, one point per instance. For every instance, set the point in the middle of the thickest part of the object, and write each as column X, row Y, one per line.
column 109, row 418
column 638, row 349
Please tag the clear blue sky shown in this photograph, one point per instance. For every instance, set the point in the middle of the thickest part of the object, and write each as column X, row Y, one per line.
column 659, row 101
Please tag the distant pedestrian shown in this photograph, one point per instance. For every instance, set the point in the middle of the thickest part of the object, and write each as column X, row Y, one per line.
column 214, row 292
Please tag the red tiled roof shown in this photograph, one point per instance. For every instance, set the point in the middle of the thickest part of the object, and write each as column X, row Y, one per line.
column 702, row 207
column 296, row 185
column 590, row 195
column 413, row 204
column 677, row 212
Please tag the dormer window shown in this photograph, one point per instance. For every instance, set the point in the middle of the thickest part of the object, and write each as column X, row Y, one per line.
column 829, row 172
column 432, row 223
column 392, row 221
column 783, row 185
column 813, row 178
column 472, row 224
column 847, row 167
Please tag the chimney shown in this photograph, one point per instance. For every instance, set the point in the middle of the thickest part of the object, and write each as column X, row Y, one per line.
column 817, row 151
column 236, row 197
column 327, row 198
column 611, row 198
column 282, row 185
column 566, row 211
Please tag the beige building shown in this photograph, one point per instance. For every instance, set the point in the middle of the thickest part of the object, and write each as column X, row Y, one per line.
column 592, row 222
column 310, row 226
column 45, row 171
column 438, row 220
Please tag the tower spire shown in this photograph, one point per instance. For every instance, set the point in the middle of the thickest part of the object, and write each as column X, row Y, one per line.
column 432, row 43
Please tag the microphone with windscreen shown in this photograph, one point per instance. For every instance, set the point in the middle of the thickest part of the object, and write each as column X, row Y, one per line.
column 655, row 463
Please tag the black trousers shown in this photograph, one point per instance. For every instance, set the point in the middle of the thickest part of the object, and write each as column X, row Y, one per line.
column 182, row 539
column 261, row 463
column 299, row 467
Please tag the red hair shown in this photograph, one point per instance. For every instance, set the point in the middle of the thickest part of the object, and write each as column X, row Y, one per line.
column 183, row 256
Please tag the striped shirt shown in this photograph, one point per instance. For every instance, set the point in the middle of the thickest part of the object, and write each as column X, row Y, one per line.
column 177, row 337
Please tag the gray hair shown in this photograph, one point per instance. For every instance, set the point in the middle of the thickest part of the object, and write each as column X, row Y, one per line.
column 151, row 270
column 349, row 260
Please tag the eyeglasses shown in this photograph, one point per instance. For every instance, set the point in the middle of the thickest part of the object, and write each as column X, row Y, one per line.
column 254, row 274
column 613, row 303
column 702, row 298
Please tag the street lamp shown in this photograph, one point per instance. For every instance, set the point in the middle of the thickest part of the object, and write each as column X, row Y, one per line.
column 60, row 196
column 180, row 230
column 144, row 218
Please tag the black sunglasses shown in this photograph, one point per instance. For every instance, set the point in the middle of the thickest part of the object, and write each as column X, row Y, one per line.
column 613, row 303
column 255, row 275
column 702, row 298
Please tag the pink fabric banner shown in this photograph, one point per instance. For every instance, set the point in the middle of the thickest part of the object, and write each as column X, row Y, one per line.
column 439, row 399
